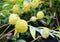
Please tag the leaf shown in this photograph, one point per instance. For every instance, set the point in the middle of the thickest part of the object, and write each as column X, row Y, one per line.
column 44, row 32
column 58, row 28
column 14, row 39
column 20, row 1
column 21, row 40
column 48, row 19
column 5, row 5
column 0, row 40
column 41, row 32
column 43, row 22
column 33, row 31
column 51, row 34
column 1, row 6
column 2, row 15
column 57, row 35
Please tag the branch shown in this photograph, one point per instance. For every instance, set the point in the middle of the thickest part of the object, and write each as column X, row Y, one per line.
column 4, row 31
column 50, row 3
column 56, row 17
column 3, row 25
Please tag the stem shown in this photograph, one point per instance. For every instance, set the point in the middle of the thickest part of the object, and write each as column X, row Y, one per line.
column 3, row 25
column 4, row 31
column 9, row 31
column 12, row 30
column 34, row 40
column 50, row 3
column 56, row 17
column 57, row 20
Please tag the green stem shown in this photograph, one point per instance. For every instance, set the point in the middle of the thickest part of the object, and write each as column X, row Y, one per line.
column 3, row 25
column 12, row 30
column 9, row 31
column 4, row 31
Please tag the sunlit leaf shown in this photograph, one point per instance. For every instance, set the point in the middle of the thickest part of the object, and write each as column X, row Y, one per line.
column 51, row 35
column 33, row 31
column 57, row 35
column 44, row 32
